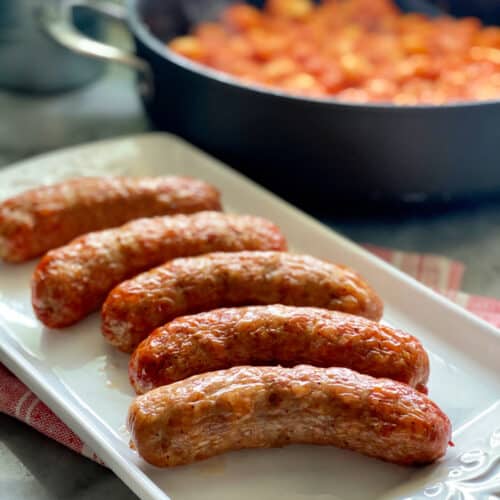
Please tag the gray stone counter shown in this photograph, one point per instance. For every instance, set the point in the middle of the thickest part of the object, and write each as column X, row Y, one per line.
column 34, row 467
column 468, row 233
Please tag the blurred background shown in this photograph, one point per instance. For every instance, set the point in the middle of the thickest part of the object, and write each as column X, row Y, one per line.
column 422, row 179
column 427, row 133
column 51, row 98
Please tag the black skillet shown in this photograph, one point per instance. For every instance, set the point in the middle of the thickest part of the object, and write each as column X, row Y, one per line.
column 312, row 151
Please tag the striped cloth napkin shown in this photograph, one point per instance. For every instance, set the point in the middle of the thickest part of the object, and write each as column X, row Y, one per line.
column 442, row 274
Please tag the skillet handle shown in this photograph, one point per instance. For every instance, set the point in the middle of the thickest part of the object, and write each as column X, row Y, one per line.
column 58, row 23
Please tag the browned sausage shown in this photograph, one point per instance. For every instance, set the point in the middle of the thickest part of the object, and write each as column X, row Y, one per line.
column 277, row 334
column 50, row 216
column 73, row 280
column 263, row 407
column 135, row 308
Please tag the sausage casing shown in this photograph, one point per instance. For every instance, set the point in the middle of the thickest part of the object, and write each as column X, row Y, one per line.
column 184, row 286
column 277, row 334
column 72, row 281
column 47, row 217
column 262, row 407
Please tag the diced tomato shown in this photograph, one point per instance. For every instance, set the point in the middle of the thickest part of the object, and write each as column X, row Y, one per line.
column 242, row 17
column 291, row 9
column 359, row 50
column 188, row 46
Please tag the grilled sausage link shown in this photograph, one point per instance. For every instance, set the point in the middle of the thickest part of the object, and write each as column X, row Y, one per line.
column 277, row 334
column 47, row 217
column 262, row 407
column 73, row 280
column 183, row 286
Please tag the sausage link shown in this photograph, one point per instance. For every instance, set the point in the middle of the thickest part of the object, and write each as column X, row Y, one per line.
column 269, row 335
column 263, row 407
column 73, row 280
column 47, row 217
column 183, row 286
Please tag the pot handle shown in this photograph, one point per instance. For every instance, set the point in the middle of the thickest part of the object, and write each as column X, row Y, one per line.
column 58, row 23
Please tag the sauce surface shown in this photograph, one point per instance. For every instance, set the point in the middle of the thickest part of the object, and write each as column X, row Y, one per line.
column 352, row 50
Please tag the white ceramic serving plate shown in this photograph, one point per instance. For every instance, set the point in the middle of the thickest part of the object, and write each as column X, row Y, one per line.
column 85, row 381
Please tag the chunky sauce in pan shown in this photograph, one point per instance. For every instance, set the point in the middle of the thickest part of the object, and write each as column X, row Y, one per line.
column 355, row 50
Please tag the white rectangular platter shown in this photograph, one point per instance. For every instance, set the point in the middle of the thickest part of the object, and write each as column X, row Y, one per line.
column 85, row 381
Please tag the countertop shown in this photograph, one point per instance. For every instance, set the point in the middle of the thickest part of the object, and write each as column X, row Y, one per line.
column 34, row 467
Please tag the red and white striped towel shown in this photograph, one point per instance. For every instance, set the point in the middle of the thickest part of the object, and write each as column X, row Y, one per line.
column 440, row 273
column 443, row 275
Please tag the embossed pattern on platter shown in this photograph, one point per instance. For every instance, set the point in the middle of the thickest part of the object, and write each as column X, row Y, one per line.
column 474, row 475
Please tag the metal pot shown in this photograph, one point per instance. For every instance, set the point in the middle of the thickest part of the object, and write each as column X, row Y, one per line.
column 316, row 151
column 32, row 62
